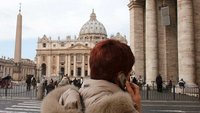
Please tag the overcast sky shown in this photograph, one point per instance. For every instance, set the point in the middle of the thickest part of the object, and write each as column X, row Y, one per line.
column 57, row 18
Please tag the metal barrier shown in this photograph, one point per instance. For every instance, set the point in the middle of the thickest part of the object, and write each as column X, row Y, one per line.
column 17, row 91
column 147, row 93
column 174, row 93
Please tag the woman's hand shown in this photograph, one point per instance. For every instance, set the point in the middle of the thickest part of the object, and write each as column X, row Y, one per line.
column 134, row 91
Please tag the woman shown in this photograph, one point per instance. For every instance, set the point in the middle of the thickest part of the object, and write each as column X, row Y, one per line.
column 108, row 90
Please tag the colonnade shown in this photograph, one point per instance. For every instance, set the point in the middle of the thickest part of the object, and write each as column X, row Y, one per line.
column 144, row 39
column 70, row 63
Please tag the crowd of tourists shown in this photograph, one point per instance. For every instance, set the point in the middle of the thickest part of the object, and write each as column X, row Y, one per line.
column 49, row 85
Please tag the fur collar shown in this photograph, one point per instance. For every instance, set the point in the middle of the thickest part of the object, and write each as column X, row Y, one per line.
column 98, row 97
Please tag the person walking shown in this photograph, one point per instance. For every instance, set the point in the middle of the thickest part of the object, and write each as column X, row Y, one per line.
column 134, row 80
column 50, row 87
column 169, row 85
column 34, row 82
column 28, row 83
column 159, row 83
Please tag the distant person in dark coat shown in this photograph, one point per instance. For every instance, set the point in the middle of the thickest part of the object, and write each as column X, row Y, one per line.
column 169, row 85
column 75, row 82
column 34, row 82
column 50, row 87
column 44, row 85
column 134, row 80
column 28, row 83
column 159, row 83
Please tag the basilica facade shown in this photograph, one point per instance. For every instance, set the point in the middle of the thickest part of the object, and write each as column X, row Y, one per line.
column 165, row 38
column 70, row 56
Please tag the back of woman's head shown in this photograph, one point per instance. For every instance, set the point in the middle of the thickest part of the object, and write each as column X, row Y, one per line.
column 110, row 57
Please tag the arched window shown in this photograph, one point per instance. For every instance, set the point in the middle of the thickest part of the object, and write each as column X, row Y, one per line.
column 44, row 45
column 43, row 69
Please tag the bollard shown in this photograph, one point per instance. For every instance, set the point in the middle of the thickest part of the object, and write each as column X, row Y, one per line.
column 147, row 96
column 40, row 91
column 6, row 91
column 173, row 91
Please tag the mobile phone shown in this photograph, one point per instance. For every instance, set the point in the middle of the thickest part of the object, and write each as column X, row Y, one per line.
column 122, row 81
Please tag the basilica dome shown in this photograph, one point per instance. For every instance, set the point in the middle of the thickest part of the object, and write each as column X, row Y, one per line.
column 93, row 29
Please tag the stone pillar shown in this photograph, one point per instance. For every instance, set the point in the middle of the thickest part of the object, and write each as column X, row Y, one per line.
column 4, row 71
column 48, row 66
column 11, row 72
column 88, row 64
column 58, row 64
column 83, row 66
column 75, row 65
column 151, row 42
column 196, row 5
column 186, row 50
column 136, row 9
column 68, row 64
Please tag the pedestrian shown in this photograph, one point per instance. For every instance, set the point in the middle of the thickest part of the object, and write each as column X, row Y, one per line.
column 75, row 82
column 140, row 81
column 51, row 80
column 34, row 82
column 181, row 83
column 28, row 83
column 169, row 85
column 44, row 85
column 107, row 91
column 55, row 83
column 50, row 87
column 159, row 83
column 134, row 80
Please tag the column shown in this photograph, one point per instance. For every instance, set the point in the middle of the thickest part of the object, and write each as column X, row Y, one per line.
column 88, row 64
column 136, row 8
column 83, row 66
column 75, row 65
column 68, row 64
column 4, row 68
column 1, row 71
column 196, row 8
column 11, row 71
column 58, row 64
column 186, row 50
column 48, row 66
column 151, row 42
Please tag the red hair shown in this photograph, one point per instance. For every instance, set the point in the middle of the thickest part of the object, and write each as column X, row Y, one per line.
column 108, row 58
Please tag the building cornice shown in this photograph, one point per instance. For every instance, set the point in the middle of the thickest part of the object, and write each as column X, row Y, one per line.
column 136, row 4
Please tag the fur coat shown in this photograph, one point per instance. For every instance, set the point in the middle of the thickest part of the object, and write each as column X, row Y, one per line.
column 95, row 96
